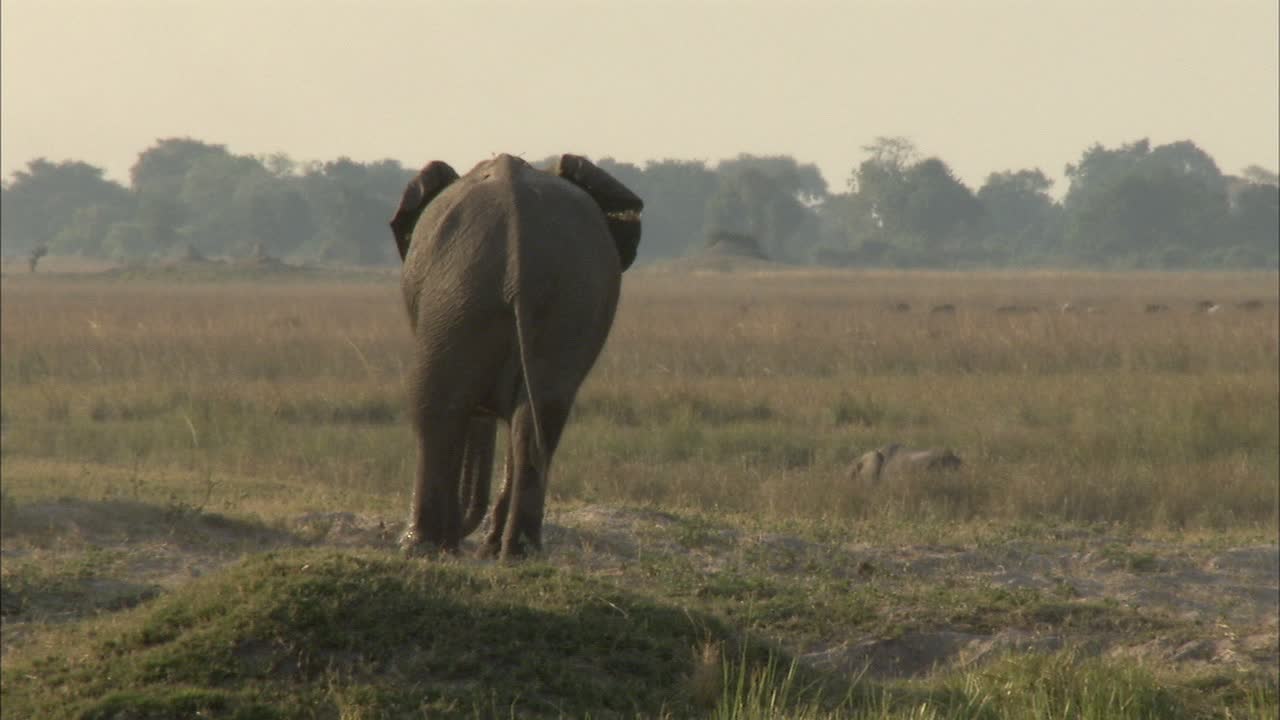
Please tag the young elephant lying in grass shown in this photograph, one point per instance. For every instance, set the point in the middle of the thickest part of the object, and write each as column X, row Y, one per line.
column 896, row 460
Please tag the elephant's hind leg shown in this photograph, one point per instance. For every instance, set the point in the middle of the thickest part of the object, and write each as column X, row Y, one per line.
column 436, row 519
column 526, row 493
column 460, row 350
column 501, row 507
column 477, row 471
column 441, row 419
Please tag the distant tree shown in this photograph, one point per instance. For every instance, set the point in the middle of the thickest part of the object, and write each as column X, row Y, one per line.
column 749, row 202
column 769, row 197
column 891, row 154
column 908, row 211
column 1254, row 225
column 87, row 229
column 1131, row 205
column 1099, row 166
column 938, row 207
column 852, row 226
column 676, row 193
column 163, row 167
column 201, row 196
column 183, row 188
column 1138, row 206
column 208, row 214
column 1258, row 175
column 271, row 212
column 156, row 227
column 278, row 164
column 128, row 241
column 880, row 182
column 350, row 204
column 803, row 181
column 847, row 232
column 42, row 199
column 1021, row 222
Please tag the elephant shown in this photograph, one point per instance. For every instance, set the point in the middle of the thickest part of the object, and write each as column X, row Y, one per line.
column 896, row 460
column 511, row 277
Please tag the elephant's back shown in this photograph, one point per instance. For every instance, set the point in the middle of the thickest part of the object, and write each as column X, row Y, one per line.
column 554, row 225
column 457, row 250
column 506, row 219
column 565, row 253
column 505, row 195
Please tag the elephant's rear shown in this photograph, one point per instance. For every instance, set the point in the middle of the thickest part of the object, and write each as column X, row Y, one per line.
column 564, row 256
column 511, row 279
column 507, row 233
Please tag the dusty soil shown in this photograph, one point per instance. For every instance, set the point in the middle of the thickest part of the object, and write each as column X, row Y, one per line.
column 1225, row 601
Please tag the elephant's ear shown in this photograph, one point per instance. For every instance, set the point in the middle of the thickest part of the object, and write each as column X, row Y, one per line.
column 420, row 191
column 621, row 206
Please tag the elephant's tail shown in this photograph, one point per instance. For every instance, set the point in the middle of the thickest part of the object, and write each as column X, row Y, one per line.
column 522, row 344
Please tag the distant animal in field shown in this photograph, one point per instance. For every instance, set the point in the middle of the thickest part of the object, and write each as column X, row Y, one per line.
column 1070, row 308
column 1017, row 309
column 944, row 309
column 1153, row 308
column 1250, row 305
column 1206, row 306
column 894, row 460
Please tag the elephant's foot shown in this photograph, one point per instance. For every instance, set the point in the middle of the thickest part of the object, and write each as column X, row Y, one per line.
column 494, row 548
column 492, row 545
column 487, row 550
column 519, row 547
column 413, row 544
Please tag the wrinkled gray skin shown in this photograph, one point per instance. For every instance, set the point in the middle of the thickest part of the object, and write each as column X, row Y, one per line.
column 894, row 461
column 511, row 278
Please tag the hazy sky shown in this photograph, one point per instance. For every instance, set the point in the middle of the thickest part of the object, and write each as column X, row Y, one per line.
column 986, row 85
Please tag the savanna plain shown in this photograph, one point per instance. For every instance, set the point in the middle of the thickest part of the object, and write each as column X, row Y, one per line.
column 204, row 479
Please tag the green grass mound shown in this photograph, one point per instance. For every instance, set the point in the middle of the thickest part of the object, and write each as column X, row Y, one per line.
column 321, row 634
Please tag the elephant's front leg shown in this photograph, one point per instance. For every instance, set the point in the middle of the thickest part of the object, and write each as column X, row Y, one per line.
column 436, row 517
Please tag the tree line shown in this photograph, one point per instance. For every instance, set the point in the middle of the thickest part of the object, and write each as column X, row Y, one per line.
column 1131, row 206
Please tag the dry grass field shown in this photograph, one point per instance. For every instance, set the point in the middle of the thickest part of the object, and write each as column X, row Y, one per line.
column 1120, row 497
